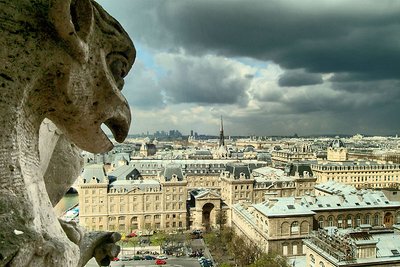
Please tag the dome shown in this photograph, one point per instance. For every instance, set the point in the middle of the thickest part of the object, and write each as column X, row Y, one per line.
column 249, row 149
column 337, row 143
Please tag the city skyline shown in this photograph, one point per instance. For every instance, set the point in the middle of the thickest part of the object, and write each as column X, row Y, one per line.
column 269, row 68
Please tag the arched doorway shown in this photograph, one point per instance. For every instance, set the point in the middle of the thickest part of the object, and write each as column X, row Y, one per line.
column 388, row 220
column 206, row 212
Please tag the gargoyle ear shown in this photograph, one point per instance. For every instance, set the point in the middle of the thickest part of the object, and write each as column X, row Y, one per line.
column 73, row 20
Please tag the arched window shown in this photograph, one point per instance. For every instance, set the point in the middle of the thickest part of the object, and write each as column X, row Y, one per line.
column 377, row 220
column 321, row 221
column 358, row 220
column 285, row 228
column 321, row 264
column 304, row 228
column 340, row 221
column 294, row 228
column 367, row 219
column 398, row 218
column 330, row 221
column 349, row 221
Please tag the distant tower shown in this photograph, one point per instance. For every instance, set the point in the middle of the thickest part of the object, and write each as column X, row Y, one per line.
column 337, row 151
column 221, row 152
column 221, row 134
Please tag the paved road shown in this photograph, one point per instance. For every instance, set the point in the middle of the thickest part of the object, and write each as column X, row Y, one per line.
column 174, row 262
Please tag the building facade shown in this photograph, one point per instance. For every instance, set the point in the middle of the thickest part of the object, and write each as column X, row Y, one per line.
column 281, row 223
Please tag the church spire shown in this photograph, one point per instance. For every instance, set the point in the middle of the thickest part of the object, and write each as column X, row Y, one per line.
column 221, row 134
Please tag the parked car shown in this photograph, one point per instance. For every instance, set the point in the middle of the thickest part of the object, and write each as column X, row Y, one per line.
column 161, row 262
column 125, row 258
column 148, row 257
column 137, row 258
column 133, row 234
column 115, row 259
column 162, row 257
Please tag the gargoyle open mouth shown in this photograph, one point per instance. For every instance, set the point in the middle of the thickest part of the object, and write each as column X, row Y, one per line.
column 119, row 128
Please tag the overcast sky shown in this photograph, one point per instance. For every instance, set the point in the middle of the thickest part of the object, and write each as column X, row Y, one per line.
column 268, row 67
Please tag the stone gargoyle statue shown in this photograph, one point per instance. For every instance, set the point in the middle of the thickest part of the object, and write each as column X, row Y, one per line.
column 64, row 60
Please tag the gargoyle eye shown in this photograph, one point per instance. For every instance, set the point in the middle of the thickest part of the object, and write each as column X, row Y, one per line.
column 118, row 68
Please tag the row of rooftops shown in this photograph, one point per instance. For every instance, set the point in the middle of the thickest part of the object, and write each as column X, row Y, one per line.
column 174, row 172
column 356, row 164
column 339, row 200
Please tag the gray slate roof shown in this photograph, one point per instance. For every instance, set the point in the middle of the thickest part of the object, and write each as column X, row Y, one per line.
column 172, row 169
column 95, row 171
column 125, row 172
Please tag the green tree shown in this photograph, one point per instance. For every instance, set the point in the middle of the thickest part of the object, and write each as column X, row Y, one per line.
column 221, row 219
column 271, row 260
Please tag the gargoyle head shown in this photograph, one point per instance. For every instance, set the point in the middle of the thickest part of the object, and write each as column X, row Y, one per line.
column 88, row 77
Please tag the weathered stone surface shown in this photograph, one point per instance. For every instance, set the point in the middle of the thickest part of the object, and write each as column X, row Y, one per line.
column 62, row 60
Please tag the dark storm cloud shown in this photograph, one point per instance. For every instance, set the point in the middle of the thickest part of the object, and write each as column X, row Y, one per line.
column 320, row 36
column 355, row 43
column 206, row 80
column 294, row 78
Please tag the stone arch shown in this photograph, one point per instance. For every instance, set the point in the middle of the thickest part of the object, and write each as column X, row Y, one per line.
column 206, row 215
column 304, row 227
column 285, row 227
column 388, row 219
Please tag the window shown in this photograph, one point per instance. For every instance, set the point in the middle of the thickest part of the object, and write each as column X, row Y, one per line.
column 340, row 221
column 312, row 260
column 349, row 221
column 358, row 219
column 294, row 249
column 294, row 228
column 377, row 220
column 330, row 221
column 367, row 219
column 285, row 249
column 321, row 222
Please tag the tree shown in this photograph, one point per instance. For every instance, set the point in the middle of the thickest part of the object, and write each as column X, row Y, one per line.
column 221, row 219
column 271, row 260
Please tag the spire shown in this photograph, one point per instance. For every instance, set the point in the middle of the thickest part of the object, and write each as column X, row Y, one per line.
column 221, row 134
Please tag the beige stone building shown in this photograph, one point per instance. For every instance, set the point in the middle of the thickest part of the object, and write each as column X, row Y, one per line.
column 126, row 199
column 281, row 223
column 133, row 204
column 360, row 173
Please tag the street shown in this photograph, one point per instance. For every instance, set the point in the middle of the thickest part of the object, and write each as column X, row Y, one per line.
column 173, row 262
